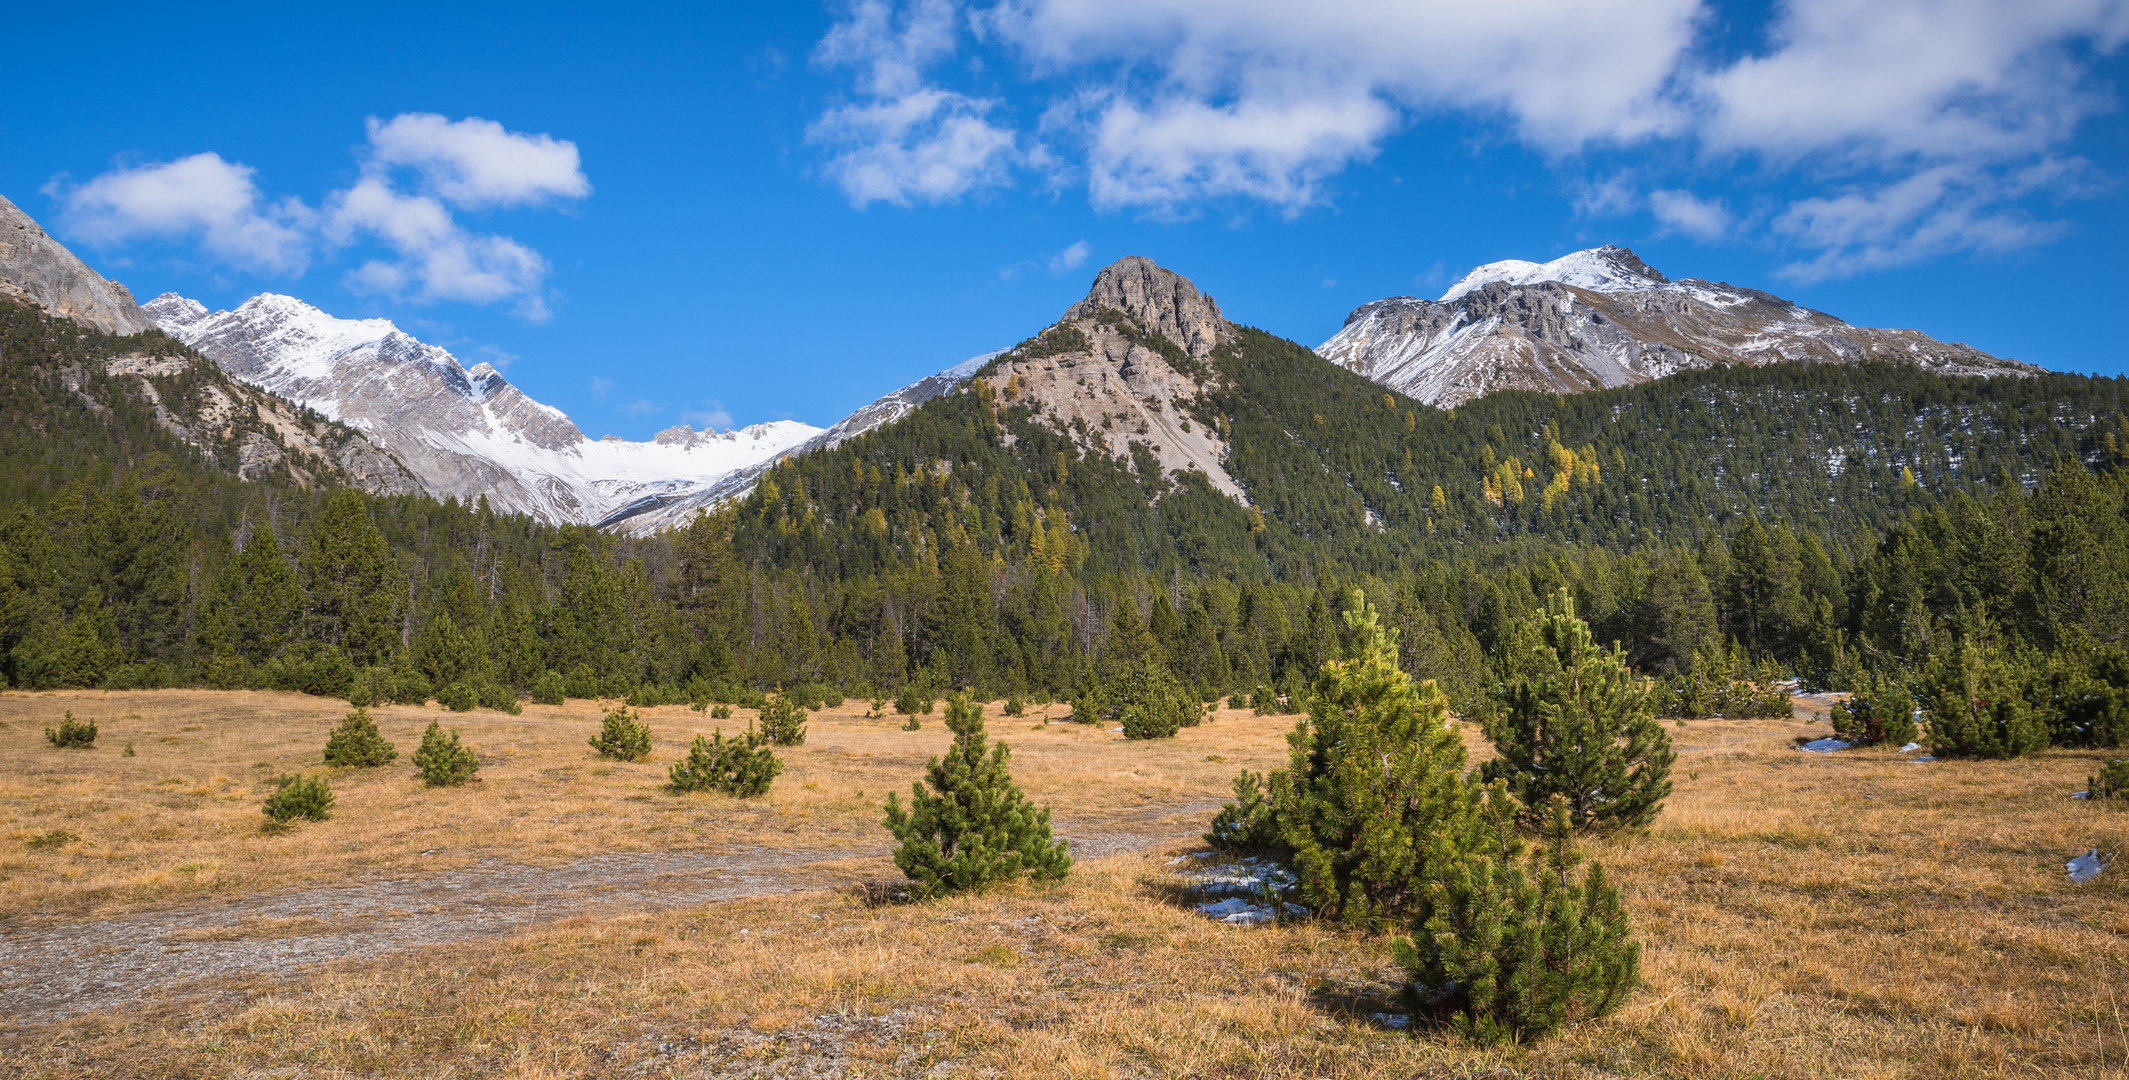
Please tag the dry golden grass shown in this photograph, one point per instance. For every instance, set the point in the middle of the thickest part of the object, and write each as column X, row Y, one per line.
column 93, row 831
column 1850, row 915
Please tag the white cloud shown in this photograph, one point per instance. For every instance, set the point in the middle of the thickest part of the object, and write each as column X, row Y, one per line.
column 907, row 141
column 475, row 162
column 202, row 198
column 439, row 259
column 711, row 417
column 1684, row 212
column 928, row 145
column 1937, row 211
column 1163, row 105
column 1071, row 258
column 599, row 387
column 1977, row 79
column 465, row 163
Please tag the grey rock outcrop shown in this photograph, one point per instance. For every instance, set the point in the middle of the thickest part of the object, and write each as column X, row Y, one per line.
column 1161, row 301
column 1604, row 318
column 39, row 269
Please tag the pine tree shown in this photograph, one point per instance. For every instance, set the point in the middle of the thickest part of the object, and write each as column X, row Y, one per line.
column 1510, row 955
column 1974, row 706
column 356, row 592
column 548, row 689
column 72, row 734
column 1151, row 704
column 1879, row 709
column 1375, row 775
column 783, row 721
column 622, row 736
column 442, row 761
column 357, row 743
column 1244, row 825
column 975, row 827
column 307, row 797
column 1575, row 721
column 743, row 767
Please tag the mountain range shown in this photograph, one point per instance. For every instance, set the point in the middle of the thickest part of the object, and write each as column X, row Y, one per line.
column 1603, row 318
column 1126, row 371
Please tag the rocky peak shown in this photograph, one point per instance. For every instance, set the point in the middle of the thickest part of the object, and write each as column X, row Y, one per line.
column 1162, row 301
column 39, row 269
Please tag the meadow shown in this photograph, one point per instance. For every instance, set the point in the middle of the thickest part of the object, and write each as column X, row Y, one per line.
column 1802, row 915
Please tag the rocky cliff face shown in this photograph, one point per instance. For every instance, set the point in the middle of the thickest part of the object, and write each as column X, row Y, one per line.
column 462, row 433
column 1603, row 318
column 1122, row 366
column 39, row 269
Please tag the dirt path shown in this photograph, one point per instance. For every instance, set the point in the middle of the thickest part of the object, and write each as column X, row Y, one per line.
column 51, row 972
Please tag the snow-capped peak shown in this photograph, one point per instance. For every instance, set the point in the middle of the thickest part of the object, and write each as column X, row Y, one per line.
column 1605, row 269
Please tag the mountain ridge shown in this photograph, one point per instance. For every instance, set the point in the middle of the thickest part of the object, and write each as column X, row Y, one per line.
column 1603, row 318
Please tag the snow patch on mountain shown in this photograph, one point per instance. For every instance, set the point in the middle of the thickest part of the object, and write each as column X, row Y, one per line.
column 463, row 433
column 1604, row 269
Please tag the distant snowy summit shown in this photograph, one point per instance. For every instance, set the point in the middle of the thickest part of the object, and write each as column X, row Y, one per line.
column 464, row 433
column 1602, row 318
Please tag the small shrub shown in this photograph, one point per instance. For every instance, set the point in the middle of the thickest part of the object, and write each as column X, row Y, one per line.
column 913, row 723
column 720, row 712
column 808, row 696
column 1015, row 707
column 1153, row 705
column 458, row 697
column 410, row 687
column 1972, row 700
column 1509, row 955
column 743, row 767
column 1245, row 824
column 832, row 697
column 1879, row 710
column 879, row 708
column 370, row 687
column 309, row 798
column 622, row 736
column 442, row 761
column 912, row 701
column 72, row 733
column 498, row 697
column 975, row 826
column 549, row 689
column 783, row 721
column 582, row 682
column 2111, row 783
column 357, row 743
column 57, row 838
column 129, row 748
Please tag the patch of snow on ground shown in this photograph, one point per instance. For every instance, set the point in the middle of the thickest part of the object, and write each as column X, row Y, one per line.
column 1824, row 746
column 2085, row 867
column 1911, row 748
column 1241, row 888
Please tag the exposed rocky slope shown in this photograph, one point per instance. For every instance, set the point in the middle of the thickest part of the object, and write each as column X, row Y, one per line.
column 1601, row 318
column 1123, row 366
column 463, row 433
column 36, row 268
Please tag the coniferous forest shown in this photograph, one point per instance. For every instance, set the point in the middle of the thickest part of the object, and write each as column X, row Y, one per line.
column 1844, row 525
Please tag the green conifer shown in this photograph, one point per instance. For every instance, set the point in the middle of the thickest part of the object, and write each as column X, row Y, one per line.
column 1375, row 775
column 1575, row 721
column 306, row 797
column 783, row 721
column 548, row 689
column 72, row 734
column 357, row 743
column 1975, row 707
column 1244, row 825
column 742, row 767
column 1508, row 954
column 1879, row 709
column 975, row 827
column 442, row 760
column 622, row 736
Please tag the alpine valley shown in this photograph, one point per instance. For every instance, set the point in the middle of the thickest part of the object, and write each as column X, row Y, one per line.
column 272, row 496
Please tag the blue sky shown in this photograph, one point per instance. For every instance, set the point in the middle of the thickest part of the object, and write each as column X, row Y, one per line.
column 738, row 213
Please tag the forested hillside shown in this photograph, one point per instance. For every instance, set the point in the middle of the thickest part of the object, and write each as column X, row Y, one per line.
column 1825, row 519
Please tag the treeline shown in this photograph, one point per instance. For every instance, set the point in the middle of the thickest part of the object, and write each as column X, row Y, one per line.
column 1695, row 521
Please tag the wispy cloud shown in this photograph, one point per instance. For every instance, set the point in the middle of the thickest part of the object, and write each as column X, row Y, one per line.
column 599, row 387
column 1070, row 259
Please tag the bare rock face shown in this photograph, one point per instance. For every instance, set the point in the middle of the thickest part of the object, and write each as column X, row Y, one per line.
column 1106, row 375
column 1603, row 318
column 1161, row 301
column 37, row 268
